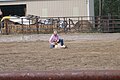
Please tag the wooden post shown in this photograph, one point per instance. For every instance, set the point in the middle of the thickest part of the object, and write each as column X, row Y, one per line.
column 6, row 26
column 37, row 26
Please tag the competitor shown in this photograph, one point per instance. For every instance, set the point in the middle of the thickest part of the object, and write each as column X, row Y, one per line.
column 55, row 41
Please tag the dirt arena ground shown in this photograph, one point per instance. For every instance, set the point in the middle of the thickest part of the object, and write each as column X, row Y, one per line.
column 85, row 51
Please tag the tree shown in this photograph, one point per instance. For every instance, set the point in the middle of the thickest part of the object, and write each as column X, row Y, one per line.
column 107, row 7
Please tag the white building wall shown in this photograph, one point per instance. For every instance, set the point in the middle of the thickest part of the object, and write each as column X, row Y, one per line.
column 12, row 3
column 55, row 8
column 91, row 8
column 58, row 8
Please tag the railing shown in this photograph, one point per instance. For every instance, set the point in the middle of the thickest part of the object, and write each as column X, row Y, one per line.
column 63, row 75
column 62, row 24
column 108, row 24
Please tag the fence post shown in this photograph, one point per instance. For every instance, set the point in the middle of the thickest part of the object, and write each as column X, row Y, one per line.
column 29, row 29
column 108, row 25
column 81, row 25
column 6, row 27
column 64, row 24
column 37, row 26
column 22, row 24
column 113, row 25
column 69, row 24
column 99, row 24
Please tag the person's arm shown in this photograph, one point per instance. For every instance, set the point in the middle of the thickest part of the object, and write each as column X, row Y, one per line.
column 51, row 40
column 58, row 38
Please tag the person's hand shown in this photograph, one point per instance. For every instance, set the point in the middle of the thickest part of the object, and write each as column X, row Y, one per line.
column 56, row 43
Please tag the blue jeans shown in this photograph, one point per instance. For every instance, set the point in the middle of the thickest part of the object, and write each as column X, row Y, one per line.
column 60, row 41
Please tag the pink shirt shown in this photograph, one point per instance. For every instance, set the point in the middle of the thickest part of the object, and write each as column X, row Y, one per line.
column 53, row 38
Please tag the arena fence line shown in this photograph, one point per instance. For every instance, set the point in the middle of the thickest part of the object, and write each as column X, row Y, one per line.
column 62, row 24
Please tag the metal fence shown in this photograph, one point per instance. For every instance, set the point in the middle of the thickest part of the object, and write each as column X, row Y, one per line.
column 62, row 75
column 108, row 24
column 62, row 24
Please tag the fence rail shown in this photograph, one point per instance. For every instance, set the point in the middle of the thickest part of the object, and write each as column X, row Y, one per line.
column 62, row 24
column 63, row 75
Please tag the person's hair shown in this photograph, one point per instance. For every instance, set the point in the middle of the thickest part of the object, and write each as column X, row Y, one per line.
column 55, row 32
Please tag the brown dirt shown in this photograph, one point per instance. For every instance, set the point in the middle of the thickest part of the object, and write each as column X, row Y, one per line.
column 36, row 56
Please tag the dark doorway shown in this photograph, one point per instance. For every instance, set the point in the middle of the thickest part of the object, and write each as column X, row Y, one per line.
column 13, row 10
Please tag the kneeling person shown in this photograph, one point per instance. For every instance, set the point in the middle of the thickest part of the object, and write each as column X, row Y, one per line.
column 55, row 41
